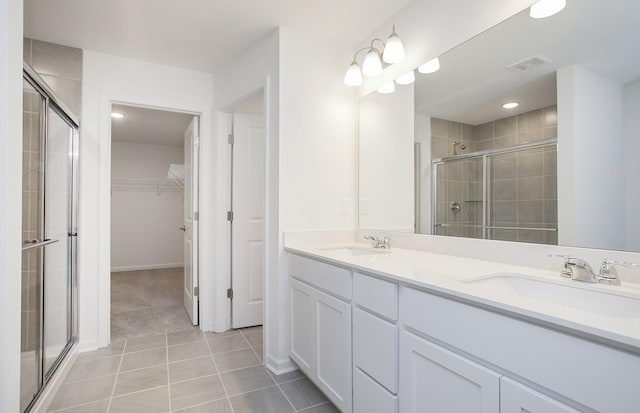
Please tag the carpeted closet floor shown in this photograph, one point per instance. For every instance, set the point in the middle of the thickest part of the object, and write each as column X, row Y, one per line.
column 148, row 302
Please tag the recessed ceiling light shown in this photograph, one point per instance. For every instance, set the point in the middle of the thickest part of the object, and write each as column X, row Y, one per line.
column 117, row 115
column 511, row 105
column 546, row 8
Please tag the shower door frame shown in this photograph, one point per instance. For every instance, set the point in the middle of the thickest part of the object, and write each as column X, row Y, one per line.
column 52, row 102
column 486, row 182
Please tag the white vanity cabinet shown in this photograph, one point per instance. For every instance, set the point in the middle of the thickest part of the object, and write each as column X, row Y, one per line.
column 320, row 297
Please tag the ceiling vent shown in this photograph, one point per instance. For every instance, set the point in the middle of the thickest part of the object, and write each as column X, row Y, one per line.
column 528, row 63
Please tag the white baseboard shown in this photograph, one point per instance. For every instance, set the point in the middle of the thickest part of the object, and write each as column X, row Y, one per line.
column 50, row 391
column 147, row 267
column 280, row 366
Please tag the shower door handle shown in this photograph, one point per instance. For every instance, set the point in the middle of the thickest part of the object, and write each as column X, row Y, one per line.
column 183, row 228
column 36, row 243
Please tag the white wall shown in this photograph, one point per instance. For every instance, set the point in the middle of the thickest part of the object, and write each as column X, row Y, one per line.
column 256, row 69
column 423, row 136
column 591, row 180
column 317, row 147
column 385, row 167
column 10, row 201
column 145, row 225
column 109, row 79
column 631, row 118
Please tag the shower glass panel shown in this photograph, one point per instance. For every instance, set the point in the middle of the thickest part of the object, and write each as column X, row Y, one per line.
column 32, row 210
column 508, row 194
column 459, row 199
column 57, row 257
column 48, row 237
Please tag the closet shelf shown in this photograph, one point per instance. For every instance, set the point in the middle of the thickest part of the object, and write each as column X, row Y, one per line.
column 145, row 185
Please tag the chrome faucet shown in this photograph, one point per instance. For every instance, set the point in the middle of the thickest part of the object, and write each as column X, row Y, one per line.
column 384, row 243
column 580, row 270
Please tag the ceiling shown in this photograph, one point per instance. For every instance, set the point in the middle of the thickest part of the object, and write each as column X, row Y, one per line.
column 474, row 80
column 196, row 34
column 149, row 126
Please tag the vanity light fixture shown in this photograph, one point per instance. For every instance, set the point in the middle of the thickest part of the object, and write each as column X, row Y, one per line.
column 407, row 78
column 511, row 105
column 431, row 66
column 392, row 51
column 117, row 115
column 388, row 87
column 546, row 8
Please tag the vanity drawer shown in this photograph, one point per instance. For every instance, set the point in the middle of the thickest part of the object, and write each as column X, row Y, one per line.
column 375, row 348
column 376, row 295
column 370, row 397
column 332, row 279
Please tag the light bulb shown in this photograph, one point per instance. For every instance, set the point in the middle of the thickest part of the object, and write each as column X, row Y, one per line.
column 546, row 8
column 393, row 49
column 406, row 79
column 431, row 66
column 117, row 115
column 353, row 77
column 372, row 65
column 511, row 105
column 387, row 88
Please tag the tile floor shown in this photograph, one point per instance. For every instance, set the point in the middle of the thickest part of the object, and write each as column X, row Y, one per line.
column 185, row 371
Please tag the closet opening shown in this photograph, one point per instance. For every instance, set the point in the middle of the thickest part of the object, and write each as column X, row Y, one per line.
column 154, row 221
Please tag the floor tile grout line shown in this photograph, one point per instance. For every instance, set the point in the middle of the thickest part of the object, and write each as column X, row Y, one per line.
column 77, row 405
column 220, row 376
column 113, row 389
column 314, row 405
column 138, row 391
column 166, row 336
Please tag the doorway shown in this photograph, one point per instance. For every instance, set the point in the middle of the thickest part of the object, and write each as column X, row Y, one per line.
column 154, row 221
column 247, row 213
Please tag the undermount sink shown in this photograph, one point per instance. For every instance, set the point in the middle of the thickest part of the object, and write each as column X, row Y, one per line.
column 585, row 298
column 355, row 251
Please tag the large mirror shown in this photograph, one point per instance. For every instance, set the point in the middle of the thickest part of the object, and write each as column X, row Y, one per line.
column 443, row 156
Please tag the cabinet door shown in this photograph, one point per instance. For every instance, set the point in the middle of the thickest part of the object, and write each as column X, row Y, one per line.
column 433, row 379
column 518, row 398
column 333, row 349
column 375, row 348
column 302, row 338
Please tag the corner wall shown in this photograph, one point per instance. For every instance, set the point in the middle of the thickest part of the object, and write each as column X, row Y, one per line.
column 10, row 201
column 590, row 141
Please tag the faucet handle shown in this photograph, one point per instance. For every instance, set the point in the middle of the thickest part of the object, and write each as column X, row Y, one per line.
column 608, row 270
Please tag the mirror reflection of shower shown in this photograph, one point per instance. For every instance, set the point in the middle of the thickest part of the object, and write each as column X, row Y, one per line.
column 458, row 148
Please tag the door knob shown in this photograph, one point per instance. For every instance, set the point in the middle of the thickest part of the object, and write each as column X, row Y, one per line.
column 183, row 228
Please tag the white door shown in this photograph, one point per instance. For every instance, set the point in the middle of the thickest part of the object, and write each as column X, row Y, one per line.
column 248, row 202
column 190, row 228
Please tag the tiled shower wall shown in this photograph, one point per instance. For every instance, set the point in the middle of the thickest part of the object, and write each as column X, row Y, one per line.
column 31, row 211
column 60, row 67
column 523, row 185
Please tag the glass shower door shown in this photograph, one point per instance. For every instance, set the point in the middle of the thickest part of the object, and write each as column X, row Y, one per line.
column 58, row 227
column 32, row 211
column 48, row 238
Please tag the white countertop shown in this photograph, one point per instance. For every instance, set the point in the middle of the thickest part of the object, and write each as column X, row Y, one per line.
column 446, row 275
